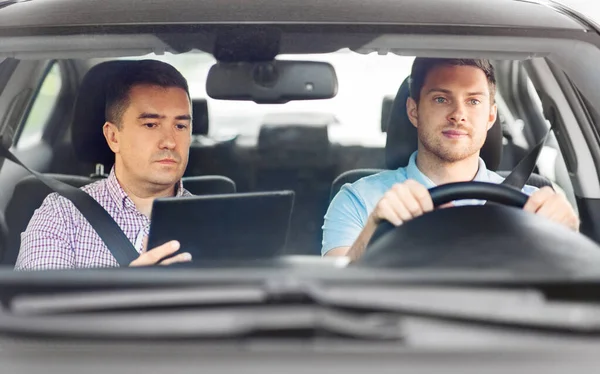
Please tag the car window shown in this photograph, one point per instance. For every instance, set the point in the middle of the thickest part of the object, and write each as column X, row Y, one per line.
column 551, row 163
column 44, row 103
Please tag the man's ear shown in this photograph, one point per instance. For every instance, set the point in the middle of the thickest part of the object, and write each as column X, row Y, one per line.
column 411, row 109
column 111, row 134
column 493, row 116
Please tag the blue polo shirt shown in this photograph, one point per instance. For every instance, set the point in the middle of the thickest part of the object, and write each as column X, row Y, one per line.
column 350, row 208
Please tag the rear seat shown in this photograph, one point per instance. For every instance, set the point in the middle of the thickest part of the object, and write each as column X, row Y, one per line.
column 208, row 156
column 294, row 152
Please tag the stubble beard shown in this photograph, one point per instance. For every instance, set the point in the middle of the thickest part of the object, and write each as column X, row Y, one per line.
column 448, row 153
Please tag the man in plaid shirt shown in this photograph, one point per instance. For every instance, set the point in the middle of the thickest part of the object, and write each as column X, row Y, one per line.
column 148, row 127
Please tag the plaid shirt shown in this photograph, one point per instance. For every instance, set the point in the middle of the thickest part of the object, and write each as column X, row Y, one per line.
column 59, row 237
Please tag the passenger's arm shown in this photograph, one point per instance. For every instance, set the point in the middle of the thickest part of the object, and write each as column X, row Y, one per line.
column 156, row 255
column 45, row 244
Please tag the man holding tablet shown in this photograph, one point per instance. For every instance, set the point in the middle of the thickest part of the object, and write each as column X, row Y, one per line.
column 148, row 127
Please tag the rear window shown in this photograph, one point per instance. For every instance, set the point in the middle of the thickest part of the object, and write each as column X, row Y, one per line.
column 363, row 82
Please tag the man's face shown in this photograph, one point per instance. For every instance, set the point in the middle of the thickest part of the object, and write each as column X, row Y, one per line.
column 454, row 112
column 153, row 141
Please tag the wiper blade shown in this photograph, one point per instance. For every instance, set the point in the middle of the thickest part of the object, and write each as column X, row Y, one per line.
column 192, row 313
column 219, row 323
column 517, row 309
column 134, row 299
column 5, row 3
column 288, row 308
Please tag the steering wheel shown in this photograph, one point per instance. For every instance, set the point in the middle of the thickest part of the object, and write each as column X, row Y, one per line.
column 482, row 237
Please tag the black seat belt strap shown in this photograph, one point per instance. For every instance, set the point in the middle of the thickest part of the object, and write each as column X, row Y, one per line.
column 521, row 173
column 109, row 231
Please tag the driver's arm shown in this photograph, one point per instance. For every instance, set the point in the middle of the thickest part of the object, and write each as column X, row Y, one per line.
column 357, row 249
column 403, row 202
column 345, row 218
column 554, row 206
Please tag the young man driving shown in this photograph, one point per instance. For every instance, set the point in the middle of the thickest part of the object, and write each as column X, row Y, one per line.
column 148, row 127
column 452, row 106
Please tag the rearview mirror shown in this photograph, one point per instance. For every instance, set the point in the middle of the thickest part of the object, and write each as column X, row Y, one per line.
column 272, row 82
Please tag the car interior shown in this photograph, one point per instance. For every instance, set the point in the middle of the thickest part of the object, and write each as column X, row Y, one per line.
column 309, row 147
column 291, row 101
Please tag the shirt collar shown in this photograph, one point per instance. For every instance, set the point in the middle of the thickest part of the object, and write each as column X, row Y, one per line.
column 120, row 197
column 413, row 172
column 179, row 190
column 116, row 191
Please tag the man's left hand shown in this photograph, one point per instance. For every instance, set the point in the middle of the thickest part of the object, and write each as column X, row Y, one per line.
column 546, row 202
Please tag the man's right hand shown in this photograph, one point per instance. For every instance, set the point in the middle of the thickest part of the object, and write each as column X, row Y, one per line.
column 403, row 202
column 155, row 256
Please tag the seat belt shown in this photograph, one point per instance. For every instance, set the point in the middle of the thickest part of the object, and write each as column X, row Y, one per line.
column 521, row 173
column 105, row 226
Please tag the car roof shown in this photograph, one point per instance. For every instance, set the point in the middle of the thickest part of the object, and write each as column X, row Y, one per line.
column 29, row 14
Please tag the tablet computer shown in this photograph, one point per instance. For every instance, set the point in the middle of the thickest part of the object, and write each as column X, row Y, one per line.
column 224, row 227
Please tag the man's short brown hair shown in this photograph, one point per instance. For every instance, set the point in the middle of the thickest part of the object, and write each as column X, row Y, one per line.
column 141, row 72
column 422, row 66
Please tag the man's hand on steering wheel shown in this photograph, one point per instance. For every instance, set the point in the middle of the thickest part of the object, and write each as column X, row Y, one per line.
column 408, row 200
column 554, row 206
column 403, row 202
column 411, row 199
column 503, row 233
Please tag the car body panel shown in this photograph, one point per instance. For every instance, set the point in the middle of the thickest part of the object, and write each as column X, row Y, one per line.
column 502, row 13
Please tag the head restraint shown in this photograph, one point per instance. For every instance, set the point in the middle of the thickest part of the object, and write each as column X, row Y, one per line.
column 88, row 117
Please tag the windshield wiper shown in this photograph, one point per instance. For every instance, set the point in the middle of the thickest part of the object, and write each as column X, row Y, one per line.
column 5, row 3
column 205, row 313
column 286, row 309
column 219, row 323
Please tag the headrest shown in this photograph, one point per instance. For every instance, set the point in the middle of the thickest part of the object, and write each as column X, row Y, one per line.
column 88, row 117
column 386, row 109
column 200, row 114
column 295, row 131
column 402, row 138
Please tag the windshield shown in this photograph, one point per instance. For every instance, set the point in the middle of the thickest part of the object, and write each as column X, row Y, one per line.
column 360, row 157
column 398, row 184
